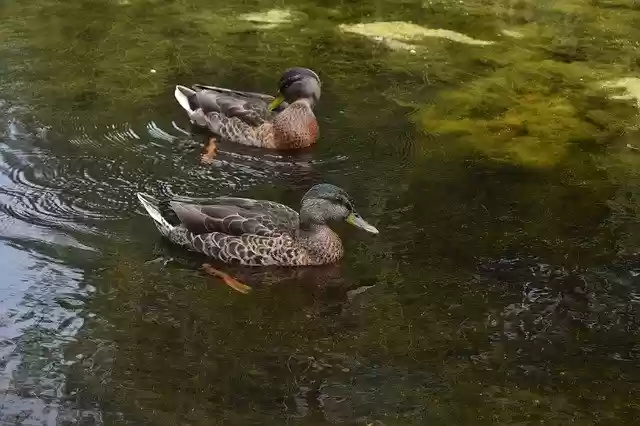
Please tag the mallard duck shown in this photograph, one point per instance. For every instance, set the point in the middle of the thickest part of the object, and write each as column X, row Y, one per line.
column 284, row 122
column 259, row 232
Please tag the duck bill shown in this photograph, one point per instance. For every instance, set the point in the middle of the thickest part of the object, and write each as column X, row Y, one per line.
column 276, row 102
column 357, row 221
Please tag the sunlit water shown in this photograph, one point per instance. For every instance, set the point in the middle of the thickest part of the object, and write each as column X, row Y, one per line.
column 495, row 294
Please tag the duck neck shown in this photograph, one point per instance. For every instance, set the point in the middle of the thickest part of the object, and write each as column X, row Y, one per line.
column 322, row 243
column 308, row 102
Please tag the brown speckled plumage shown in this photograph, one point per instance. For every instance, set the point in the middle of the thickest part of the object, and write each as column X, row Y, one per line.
column 257, row 232
column 245, row 118
column 297, row 126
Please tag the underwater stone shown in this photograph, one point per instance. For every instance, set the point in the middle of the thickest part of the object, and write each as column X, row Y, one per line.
column 396, row 32
column 631, row 86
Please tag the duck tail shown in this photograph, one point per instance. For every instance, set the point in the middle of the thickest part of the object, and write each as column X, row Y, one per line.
column 150, row 204
column 182, row 95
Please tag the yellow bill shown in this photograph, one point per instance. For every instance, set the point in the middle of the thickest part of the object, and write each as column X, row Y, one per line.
column 356, row 220
column 276, row 102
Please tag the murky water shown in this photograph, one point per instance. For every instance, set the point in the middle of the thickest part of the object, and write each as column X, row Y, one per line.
column 503, row 289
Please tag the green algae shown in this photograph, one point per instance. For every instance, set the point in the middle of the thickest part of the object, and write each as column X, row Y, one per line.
column 271, row 18
column 541, row 102
column 532, row 117
column 534, row 98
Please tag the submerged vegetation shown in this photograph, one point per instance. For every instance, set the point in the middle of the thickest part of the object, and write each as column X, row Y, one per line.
column 535, row 114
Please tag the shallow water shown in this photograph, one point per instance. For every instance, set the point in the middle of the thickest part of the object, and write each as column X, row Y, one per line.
column 503, row 289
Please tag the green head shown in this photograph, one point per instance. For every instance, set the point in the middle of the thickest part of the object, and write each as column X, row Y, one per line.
column 297, row 83
column 326, row 202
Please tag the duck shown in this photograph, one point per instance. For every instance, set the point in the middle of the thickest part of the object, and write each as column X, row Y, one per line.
column 254, row 232
column 283, row 122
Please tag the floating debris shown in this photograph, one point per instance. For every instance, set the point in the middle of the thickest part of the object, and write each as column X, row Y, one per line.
column 355, row 292
column 395, row 34
column 162, row 261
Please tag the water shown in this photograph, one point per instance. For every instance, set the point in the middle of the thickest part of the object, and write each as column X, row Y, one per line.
column 503, row 289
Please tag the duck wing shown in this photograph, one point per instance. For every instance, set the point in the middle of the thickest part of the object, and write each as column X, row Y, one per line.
column 250, row 107
column 235, row 93
column 237, row 216
column 283, row 217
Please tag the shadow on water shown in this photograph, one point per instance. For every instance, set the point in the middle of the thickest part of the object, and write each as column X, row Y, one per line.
column 503, row 288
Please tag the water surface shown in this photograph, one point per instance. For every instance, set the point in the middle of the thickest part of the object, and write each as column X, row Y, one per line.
column 503, row 288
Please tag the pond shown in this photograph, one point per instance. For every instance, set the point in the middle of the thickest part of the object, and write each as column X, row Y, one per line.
column 494, row 144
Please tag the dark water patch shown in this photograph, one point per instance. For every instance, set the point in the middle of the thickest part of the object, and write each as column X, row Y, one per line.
column 553, row 320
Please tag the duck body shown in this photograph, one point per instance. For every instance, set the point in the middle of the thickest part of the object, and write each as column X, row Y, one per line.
column 255, row 119
column 254, row 232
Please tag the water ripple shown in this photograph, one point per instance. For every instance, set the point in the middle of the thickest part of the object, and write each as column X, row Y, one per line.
column 74, row 174
column 41, row 310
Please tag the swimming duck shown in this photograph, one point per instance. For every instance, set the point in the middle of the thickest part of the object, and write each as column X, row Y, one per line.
column 284, row 122
column 259, row 232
